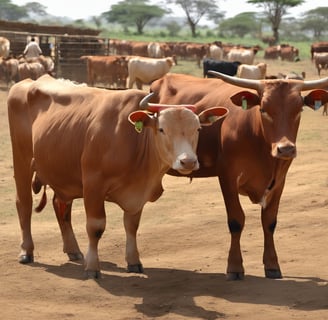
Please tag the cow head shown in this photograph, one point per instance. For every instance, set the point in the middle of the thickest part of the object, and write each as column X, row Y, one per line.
column 279, row 105
column 175, row 130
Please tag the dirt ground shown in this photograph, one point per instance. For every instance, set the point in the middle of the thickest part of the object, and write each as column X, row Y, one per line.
column 183, row 241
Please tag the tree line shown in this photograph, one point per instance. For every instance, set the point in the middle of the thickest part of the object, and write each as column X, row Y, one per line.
column 139, row 13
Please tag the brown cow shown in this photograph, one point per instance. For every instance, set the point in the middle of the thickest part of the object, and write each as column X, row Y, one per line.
column 9, row 70
column 289, row 53
column 318, row 47
column 251, row 150
column 320, row 61
column 78, row 140
column 112, row 71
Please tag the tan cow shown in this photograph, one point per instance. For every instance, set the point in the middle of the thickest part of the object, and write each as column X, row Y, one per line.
column 251, row 150
column 252, row 71
column 245, row 56
column 96, row 144
column 4, row 47
column 9, row 70
column 32, row 70
column 320, row 61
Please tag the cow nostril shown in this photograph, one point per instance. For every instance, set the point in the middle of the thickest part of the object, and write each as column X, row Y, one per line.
column 286, row 151
column 188, row 163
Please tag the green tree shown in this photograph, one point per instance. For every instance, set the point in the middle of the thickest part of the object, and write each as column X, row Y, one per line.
column 133, row 12
column 274, row 10
column 35, row 8
column 9, row 11
column 240, row 25
column 315, row 20
column 197, row 9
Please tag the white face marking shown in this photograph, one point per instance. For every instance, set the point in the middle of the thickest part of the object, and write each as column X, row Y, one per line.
column 179, row 131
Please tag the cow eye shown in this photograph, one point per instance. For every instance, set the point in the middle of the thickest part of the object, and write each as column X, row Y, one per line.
column 161, row 130
column 200, row 128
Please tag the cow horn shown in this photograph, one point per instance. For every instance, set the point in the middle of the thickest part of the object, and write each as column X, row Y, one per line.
column 240, row 82
column 315, row 84
column 156, row 107
column 144, row 104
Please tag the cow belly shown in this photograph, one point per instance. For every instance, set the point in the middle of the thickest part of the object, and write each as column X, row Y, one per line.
column 57, row 162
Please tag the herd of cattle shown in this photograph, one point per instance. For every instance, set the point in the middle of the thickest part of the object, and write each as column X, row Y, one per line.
column 136, row 62
column 116, row 145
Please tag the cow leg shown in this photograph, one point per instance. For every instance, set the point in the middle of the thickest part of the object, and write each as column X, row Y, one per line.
column 269, row 221
column 63, row 212
column 270, row 259
column 236, row 221
column 131, row 224
column 23, row 179
column 24, row 209
column 96, row 223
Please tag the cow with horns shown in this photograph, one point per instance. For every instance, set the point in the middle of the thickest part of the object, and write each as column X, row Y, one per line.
column 97, row 145
column 251, row 150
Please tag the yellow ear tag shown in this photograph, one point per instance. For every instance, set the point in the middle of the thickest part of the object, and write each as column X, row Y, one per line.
column 317, row 104
column 138, row 126
column 244, row 104
column 212, row 119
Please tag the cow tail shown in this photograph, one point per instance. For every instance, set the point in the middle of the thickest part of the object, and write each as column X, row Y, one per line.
column 43, row 201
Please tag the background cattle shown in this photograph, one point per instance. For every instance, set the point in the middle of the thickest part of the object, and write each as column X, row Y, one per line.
column 145, row 70
column 9, row 70
column 245, row 56
column 226, row 67
column 112, row 71
column 320, row 61
column 251, row 150
column 109, row 150
column 4, row 47
column 32, row 70
column 318, row 47
column 272, row 52
column 215, row 52
column 288, row 53
column 252, row 71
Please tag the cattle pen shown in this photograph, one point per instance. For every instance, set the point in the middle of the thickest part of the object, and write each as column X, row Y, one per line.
column 64, row 44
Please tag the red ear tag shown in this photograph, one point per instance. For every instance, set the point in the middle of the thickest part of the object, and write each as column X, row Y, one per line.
column 317, row 104
column 138, row 126
column 244, row 103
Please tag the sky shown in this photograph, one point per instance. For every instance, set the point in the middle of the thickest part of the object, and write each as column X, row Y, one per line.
column 86, row 9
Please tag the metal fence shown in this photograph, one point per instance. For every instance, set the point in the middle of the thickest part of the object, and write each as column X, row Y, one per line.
column 65, row 50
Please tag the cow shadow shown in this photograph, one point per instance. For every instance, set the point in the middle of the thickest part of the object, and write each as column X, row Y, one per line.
column 170, row 290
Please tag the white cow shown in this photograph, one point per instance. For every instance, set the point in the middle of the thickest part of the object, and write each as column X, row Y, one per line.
column 144, row 70
column 4, row 47
column 256, row 72
column 215, row 52
column 245, row 56
column 154, row 50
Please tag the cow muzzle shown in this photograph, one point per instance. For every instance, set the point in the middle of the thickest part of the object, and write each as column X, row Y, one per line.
column 185, row 163
column 284, row 150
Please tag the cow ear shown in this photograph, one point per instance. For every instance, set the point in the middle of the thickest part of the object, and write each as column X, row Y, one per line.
column 245, row 99
column 140, row 119
column 316, row 98
column 211, row 115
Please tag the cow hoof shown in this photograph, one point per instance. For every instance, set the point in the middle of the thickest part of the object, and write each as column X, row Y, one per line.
column 91, row 274
column 135, row 268
column 26, row 258
column 232, row 276
column 273, row 273
column 75, row 256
